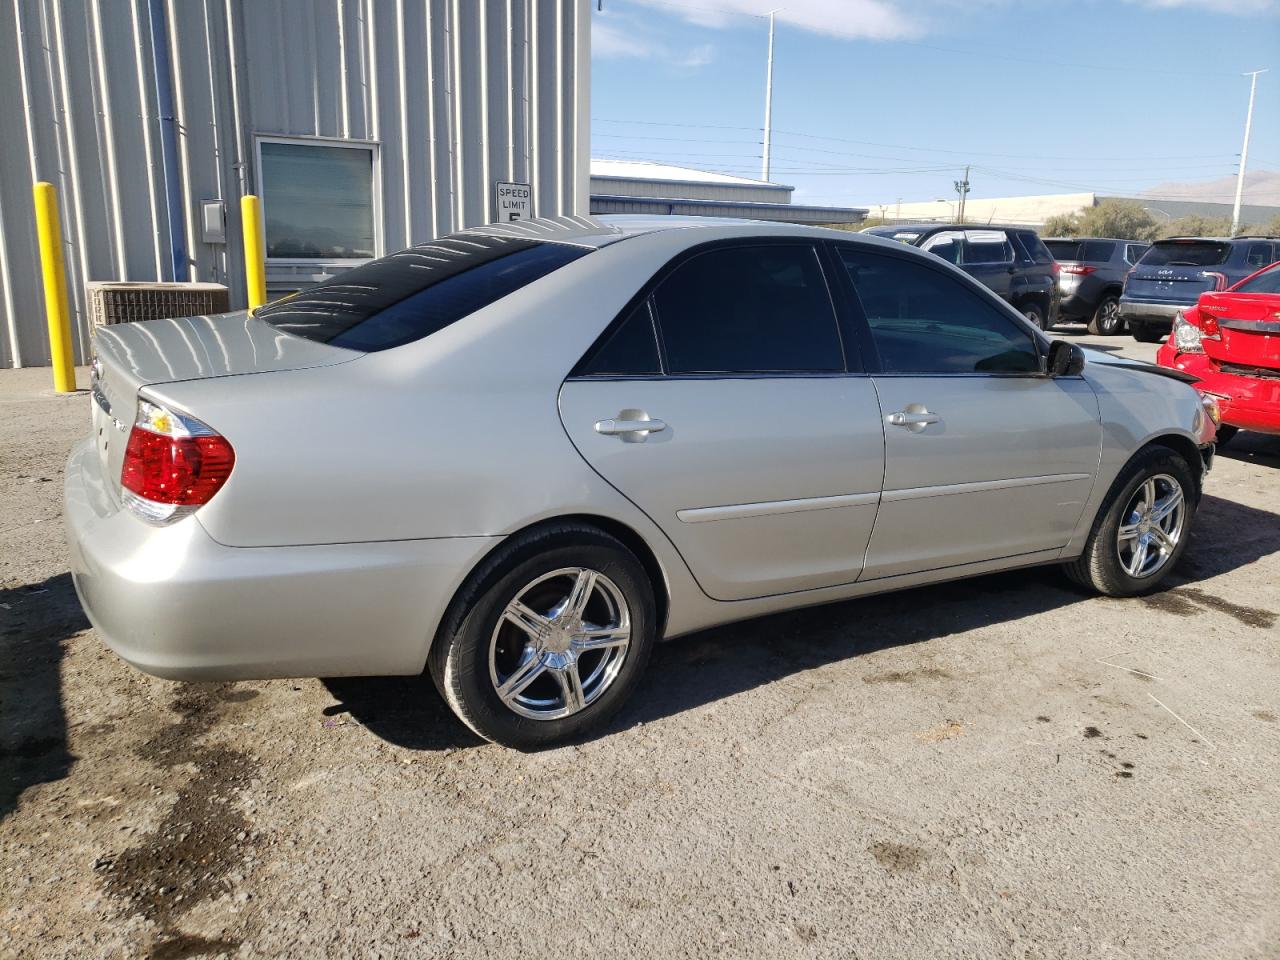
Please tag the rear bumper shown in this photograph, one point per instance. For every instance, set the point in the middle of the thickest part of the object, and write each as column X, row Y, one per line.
column 1250, row 403
column 175, row 603
column 1151, row 314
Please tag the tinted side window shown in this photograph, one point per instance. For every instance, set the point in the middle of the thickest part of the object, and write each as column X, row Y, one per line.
column 987, row 246
column 1133, row 252
column 1034, row 246
column 945, row 245
column 1097, row 251
column 759, row 309
column 631, row 350
column 925, row 322
column 1259, row 255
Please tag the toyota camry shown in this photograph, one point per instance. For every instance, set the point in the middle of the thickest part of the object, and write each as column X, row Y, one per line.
column 516, row 457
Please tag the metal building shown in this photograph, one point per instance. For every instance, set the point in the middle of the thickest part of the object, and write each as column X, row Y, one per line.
column 643, row 187
column 364, row 125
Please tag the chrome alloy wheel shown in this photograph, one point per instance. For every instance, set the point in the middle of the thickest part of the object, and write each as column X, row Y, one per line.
column 560, row 643
column 1151, row 526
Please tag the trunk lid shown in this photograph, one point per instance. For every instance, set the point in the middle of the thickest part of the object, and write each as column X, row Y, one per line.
column 1249, row 327
column 129, row 356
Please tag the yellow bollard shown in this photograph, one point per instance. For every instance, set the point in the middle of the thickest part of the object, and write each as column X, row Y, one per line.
column 255, row 274
column 49, row 232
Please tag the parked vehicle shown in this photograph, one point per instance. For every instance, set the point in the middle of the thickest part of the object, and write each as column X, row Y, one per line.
column 519, row 455
column 1091, row 272
column 1012, row 261
column 1231, row 341
column 1173, row 273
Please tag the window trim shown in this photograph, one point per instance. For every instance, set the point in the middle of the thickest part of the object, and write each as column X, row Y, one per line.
column 853, row 363
column 373, row 147
column 866, row 339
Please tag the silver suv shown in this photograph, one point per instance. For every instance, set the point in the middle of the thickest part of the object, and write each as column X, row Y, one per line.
column 1091, row 272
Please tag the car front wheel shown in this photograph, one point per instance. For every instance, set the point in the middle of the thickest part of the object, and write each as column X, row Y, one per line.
column 1142, row 527
column 548, row 639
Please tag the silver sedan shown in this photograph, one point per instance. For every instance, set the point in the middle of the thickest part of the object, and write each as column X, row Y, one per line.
column 518, row 456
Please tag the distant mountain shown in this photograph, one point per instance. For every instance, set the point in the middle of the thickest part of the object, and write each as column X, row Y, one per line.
column 1261, row 188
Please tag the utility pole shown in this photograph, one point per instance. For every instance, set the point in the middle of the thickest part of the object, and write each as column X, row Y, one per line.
column 1244, row 151
column 962, row 188
column 768, row 101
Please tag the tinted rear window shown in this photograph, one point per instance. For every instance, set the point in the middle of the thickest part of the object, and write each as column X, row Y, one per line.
column 1265, row 282
column 414, row 293
column 1186, row 253
column 1064, row 249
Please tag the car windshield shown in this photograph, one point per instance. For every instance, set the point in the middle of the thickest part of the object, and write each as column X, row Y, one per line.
column 1186, row 253
column 1064, row 249
column 414, row 293
column 1266, row 282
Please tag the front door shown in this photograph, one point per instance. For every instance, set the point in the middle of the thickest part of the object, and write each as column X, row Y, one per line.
column 985, row 457
column 722, row 405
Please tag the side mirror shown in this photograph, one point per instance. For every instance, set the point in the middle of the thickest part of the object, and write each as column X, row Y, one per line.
column 1065, row 359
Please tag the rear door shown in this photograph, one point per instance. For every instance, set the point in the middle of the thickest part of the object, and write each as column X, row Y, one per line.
column 723, row 405
column 989, row 259
column 985, row 457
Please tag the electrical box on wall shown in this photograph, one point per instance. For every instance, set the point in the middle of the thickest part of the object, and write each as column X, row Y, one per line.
column 213, row 221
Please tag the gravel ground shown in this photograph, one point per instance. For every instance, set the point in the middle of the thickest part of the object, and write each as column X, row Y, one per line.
column 1002, row 767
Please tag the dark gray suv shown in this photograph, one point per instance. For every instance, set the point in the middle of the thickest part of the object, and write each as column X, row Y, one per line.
column 1173, row 273
column 1012, row 261
column 1091, row 272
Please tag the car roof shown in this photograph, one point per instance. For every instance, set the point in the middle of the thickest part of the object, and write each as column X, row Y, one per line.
column 1082, row 239
column 596, row 232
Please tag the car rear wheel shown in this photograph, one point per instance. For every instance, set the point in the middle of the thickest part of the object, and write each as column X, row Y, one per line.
column 1106, row 319
column 1144, row 334
column 548, row 639
column 1142, row 526
column 1033, row 313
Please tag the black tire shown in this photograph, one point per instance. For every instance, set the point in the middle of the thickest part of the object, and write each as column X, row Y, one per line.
column 1034, row 313
column 459, row 660
column 1145, row 334
column 1099, row 567
column 1225, row 433
column 1106, row 319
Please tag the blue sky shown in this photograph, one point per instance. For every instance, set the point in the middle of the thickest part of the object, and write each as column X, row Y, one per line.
column 880, row 99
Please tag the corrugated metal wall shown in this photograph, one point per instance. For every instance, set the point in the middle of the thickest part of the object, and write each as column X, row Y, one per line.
column 456, row 94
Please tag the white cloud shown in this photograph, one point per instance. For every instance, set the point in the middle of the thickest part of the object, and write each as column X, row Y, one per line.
column 877, row 19
column 608, row 40
column 620, row 38
column 1239, row 8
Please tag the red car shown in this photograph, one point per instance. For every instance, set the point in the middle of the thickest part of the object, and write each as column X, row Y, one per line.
column 1231, row 341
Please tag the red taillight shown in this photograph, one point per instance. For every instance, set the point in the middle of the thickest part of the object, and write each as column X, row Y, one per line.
column 1208, row 325
column 1057, row 268
column 1079, row 269
column 173, row 464
column 185, row 471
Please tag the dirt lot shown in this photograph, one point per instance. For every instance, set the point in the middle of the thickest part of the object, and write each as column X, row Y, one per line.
column 1001, row 767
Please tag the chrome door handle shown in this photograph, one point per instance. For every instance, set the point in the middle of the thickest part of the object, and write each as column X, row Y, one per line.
column 633, row 429
column 915, row 418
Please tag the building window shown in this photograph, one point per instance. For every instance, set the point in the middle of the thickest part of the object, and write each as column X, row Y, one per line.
column 318, row 199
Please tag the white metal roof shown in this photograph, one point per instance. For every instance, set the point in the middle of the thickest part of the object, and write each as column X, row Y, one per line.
column 647, row 170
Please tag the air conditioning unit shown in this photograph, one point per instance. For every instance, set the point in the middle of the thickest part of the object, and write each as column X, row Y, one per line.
column 122, row 301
